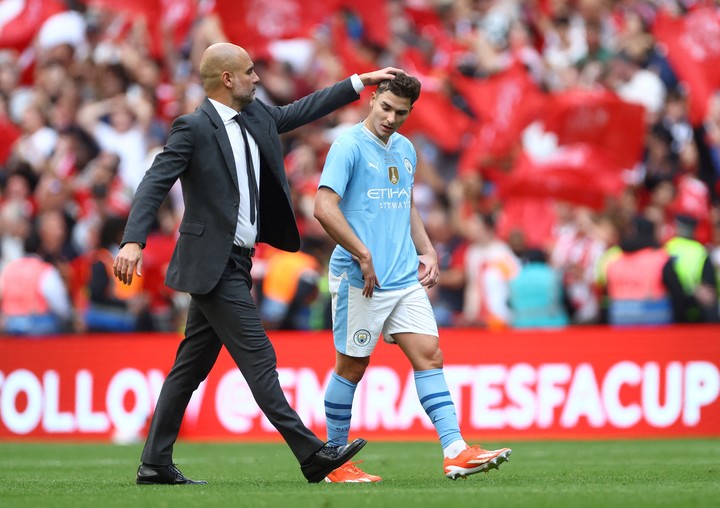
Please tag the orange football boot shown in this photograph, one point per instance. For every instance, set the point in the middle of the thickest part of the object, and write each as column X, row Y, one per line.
column 474, row 459
column 350, row 473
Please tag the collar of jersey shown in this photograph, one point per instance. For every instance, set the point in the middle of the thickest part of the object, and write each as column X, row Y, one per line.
column 376, row 139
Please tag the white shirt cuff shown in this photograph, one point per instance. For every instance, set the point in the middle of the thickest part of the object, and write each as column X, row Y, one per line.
column 357, row 83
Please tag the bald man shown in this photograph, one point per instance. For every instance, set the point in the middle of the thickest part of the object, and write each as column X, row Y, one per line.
column 228, row 158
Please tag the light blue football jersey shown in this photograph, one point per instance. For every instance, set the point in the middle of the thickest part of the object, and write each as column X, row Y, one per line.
column 375, row 182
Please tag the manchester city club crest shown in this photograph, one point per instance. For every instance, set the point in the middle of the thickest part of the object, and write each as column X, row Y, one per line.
column 408, row 166
column 361, row 338
column 393, row 175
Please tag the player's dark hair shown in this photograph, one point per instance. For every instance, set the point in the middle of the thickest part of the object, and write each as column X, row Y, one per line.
column 401, row 85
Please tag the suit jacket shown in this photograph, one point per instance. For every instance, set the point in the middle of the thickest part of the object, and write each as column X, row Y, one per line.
column 198, row 152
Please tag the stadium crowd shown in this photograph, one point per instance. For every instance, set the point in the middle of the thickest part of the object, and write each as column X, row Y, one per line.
column 623, row 229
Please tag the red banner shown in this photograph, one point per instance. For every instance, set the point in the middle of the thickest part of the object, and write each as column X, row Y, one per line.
column 253, row 24
column 430, row 107
column 580, row 174
column 589, row 382
column 692, row 43
column 599, row 118
column 505, row 103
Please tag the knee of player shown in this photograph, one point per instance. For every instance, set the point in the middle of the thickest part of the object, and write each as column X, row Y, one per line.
column 352, row 369
column 435, row 359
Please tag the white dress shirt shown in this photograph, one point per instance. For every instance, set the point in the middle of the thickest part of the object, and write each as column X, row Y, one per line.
column 245, row 232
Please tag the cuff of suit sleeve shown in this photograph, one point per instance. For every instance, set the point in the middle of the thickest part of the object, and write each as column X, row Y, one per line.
column 142, row 245
column 357, row 83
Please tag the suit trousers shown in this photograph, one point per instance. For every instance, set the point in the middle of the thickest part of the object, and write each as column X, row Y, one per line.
column 226, row 316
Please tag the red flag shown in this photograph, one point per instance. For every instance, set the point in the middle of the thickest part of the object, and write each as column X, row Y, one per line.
column 692, row 43
column 580, row 174
column 20, row 21
column 600, row 118
column 435, row 116
column 505, row 103
column 500, row 93
column 253, row 24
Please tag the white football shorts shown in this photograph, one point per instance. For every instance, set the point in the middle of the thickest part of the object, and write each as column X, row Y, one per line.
column 358, row 321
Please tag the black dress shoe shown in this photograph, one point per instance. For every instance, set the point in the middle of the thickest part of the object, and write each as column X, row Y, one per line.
column 329, row 458
column 163, row 475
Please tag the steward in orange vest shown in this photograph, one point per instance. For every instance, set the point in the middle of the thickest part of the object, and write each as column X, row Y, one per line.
column 33, row 298
column 642, row 285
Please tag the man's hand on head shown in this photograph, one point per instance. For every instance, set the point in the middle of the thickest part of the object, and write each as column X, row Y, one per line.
column 375, row 77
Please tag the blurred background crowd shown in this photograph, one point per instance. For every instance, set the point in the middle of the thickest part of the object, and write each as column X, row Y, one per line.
column 568, row 152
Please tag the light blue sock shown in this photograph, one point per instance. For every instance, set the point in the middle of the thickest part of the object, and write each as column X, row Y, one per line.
column 437, row 403
column 338, row 409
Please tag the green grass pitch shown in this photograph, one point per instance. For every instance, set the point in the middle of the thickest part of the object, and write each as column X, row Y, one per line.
column 640, row 473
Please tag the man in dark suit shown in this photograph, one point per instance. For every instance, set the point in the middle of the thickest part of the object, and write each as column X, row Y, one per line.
column 228, row 158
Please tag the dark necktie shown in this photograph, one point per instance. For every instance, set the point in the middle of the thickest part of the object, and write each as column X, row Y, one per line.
column 252, row 182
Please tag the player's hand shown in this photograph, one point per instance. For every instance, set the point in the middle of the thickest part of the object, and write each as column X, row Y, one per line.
column 369, row 276
column 375, row 77
column 128, row 262
column 429, row 273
